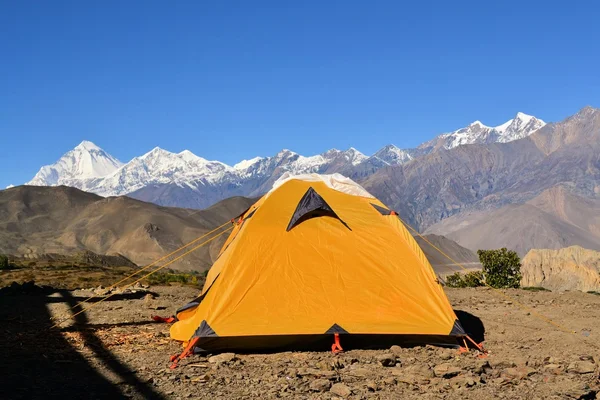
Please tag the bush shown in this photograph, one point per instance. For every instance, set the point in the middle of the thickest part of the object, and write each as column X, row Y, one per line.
column 501, row 268
column 471, row 279
column 474, row 279
column 4, row 262
column 455, row 280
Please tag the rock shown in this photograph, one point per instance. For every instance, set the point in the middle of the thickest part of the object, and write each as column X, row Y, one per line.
column 316, row 372
column 503, row 364
column 446, row 370
column 359, row 372
column 555, row 369
column 222, row 358
column 469, row 382
column 581, row 367
column 389, row 381
column 341, row 390
column 372, row 386
column 396, row 350
column 325, row 366
column 320, row 385
column 518, row 372
column 101, row 291
column 148, row 299
column 387, row 360
column 482, row 367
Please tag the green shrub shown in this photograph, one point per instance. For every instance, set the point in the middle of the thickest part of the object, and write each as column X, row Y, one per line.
column 594, row 292
column 4, row 262
column 501, row 268
column 470, row 279
column 455, row 280
column 473, row 279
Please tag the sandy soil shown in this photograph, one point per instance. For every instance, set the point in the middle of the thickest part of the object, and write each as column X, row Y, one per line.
column 115, row 350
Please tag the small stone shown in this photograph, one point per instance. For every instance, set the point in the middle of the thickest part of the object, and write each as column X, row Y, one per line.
column 359, row 372
column 482, row 367
column 387, row 360
column 518, row 372
column 581, row 367
column 222, row 358
column 389, row 381
column 555, row 369
column 372, row 386
column 148, row 299
column 341, row 390
column 320, row 385
column 325, row 365
column 469, row 382
column 581, row 391
column 446, row 370
column 396, row 350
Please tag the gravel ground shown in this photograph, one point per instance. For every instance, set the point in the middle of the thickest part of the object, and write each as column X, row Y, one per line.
column 115, row 350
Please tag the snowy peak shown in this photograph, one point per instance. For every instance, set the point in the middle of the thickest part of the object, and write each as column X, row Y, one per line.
column 245, row 164
column 522, row 125
column 86, row 145
column 90, row 168
column 85, row 161
column 392, row 155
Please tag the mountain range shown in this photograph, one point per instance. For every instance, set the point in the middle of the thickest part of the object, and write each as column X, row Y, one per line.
column 523, row 184
column 187, row 180
column 541, row 191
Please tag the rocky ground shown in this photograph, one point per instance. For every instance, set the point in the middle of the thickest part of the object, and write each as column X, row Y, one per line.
column 115, row 350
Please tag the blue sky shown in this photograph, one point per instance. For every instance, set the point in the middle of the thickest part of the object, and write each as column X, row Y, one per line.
column 230, row 80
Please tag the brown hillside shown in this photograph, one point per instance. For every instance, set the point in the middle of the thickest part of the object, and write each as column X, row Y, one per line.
column 36, row 221
column 552, row 220
column 63, row 220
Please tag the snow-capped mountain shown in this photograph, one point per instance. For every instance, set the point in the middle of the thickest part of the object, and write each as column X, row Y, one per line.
column 159, row 166
column 522, row 125
column 519, row 127
column 392, row 155
column 186, row 180
column 85, row 162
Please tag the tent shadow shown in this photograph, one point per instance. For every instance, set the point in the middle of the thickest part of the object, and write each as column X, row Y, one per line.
column 472, row 325
column 41, row 363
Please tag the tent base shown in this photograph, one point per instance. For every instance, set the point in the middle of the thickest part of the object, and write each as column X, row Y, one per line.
column 278, row 343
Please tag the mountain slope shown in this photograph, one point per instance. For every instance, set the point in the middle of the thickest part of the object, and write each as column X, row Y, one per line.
column 38, row 220
column 64, row 220
column 554, row 219
column 487, row 177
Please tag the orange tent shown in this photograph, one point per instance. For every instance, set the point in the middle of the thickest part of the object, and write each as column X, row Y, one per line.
column 314, row 257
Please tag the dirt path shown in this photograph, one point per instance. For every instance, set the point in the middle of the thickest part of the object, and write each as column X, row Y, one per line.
column 115, row 350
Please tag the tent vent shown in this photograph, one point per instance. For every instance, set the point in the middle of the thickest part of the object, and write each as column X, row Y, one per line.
column 335, row 328
column 189, row 305
column 204, row 330
column 382, row 210
column 312, row 205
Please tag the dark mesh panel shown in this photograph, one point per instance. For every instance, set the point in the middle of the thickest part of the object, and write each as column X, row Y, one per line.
column 311, row 205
